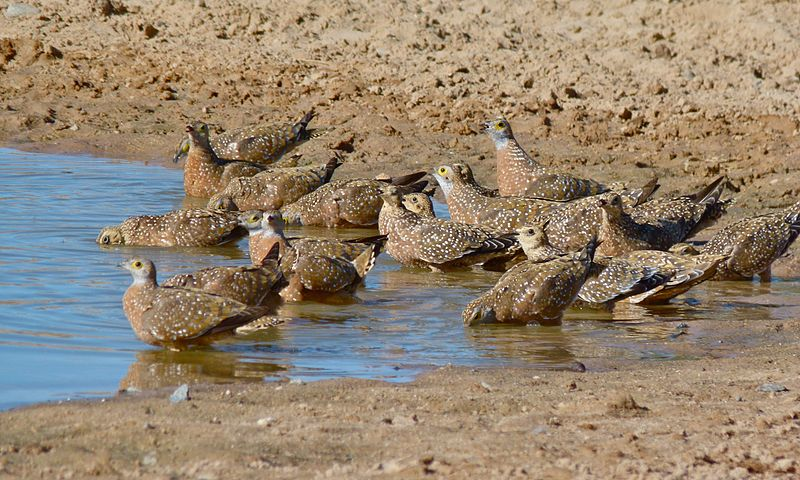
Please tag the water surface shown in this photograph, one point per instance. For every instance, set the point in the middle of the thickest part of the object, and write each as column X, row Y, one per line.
column 63, row 333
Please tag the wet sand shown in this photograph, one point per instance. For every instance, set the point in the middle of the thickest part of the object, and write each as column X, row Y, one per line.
column 618, row 92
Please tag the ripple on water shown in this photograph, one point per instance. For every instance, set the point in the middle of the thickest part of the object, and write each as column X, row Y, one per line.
column 63, row 333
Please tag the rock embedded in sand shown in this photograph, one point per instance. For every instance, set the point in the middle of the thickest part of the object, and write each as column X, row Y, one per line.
column 180, row 394
column 21, row 10
column 625, row 404
column 656, row 88
column 772, row 388
column 150, row 31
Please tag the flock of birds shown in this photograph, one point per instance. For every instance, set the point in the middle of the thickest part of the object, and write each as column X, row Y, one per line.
column 560, row 239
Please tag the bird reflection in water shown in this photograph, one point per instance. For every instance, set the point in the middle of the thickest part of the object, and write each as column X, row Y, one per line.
column 549, row 346
column 233, row 360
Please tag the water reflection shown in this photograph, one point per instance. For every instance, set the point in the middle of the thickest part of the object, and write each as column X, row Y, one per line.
column 162, row 368
column 538, row 345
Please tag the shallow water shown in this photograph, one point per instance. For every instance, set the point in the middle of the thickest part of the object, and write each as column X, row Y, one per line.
column 63, row 333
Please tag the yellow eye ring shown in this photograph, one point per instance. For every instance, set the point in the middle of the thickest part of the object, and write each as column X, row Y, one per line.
column 137, row 264
column 443, row 170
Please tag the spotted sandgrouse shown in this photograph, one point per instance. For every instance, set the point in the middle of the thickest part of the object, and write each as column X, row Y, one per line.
column 436, row 243
column 537, row 290
column 681, row 216
column 753, row 243
column 178, row 228
column 311, row 264
column 262, row 144
column 520, row 175
column 504, row 214
column 251, row 285
column 270, row 190
column 657, row 224
column 354, row 202
column 175, row 317
column 266, row 230
column 204, row 173
column 646, row 277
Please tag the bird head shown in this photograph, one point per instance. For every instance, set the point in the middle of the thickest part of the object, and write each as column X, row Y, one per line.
column 110, row 236
column 391, row 195
column 141, row 269
column 198, row 134
column 498, row 129
column 445, row 175
column 251, row 220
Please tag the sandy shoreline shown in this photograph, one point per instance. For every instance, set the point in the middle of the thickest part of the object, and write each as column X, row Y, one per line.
column 649, row 419
column 619, row 92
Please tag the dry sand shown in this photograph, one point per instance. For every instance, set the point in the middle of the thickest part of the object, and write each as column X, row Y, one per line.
column 615, row 90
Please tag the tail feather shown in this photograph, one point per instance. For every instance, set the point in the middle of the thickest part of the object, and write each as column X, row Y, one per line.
column 499, row 243
column 407, row 179
column 710, row 194
column 245, row 316
column 332, row 165
column 587, row 254
column 379, row 240
column 317, row 132
column 366, row 260
column 273, row 254
column 793, row 217
column 429, row 190
column 416, row 188
column 643, row 194
column 299, row 128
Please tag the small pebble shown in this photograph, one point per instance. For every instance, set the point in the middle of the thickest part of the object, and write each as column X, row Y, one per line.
column 265, row 422
column 682, row 326
column 150, row 31
column 772, row 388
column 180, row 394
column 149, row 459
column 539, row 430
column 296, row 381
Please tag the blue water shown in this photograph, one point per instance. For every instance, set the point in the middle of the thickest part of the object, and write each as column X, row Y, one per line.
column 63, row 333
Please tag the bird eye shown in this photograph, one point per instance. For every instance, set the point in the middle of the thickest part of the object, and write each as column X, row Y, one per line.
column 137, row 264
column 414, row 200
column 105, row 240
column 253, row 218
column 500, row 125
column 530, row 231
column 443, row 170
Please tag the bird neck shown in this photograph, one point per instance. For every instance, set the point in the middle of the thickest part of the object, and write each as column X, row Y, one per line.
column 512, row 153
column 144, row 282
column 201, row 152
column 501, row 143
